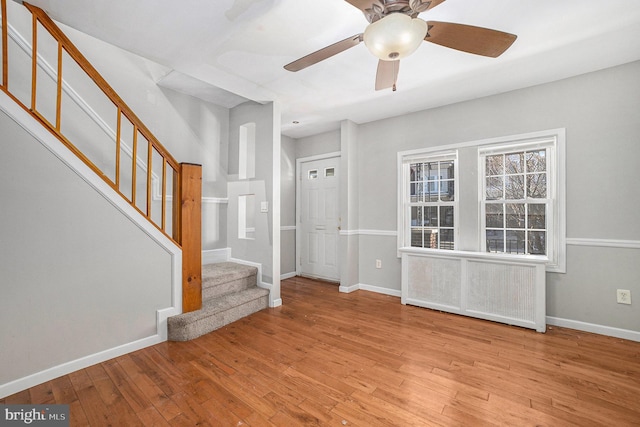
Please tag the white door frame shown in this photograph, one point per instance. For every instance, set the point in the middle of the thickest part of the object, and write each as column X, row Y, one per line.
column 299, row 162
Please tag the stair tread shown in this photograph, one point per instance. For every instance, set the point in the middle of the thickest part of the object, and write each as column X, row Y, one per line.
column 217, row 304
column 223, row 272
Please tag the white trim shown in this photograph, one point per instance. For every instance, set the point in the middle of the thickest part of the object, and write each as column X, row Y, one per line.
column 287, row 228
column 349, row 289
column 370, row 288
column 381, row 290
column 604, row 243
column 212, row 256
column 389, row 233
column 214, row 200
column 288, row 275
column 593, row 328
column 276, row 302
column 32, row 380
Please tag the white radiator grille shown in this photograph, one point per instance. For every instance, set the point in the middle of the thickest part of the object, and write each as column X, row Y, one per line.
column 503, row 288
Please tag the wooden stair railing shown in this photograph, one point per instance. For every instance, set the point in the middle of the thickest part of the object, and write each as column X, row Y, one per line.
column 182, row 224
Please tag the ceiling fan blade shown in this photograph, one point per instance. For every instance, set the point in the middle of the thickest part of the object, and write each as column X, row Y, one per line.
column 470, row 39
column 324, row 53
column 387, row 74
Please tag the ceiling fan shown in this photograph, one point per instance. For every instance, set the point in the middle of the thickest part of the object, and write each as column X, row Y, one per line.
column 395, row 31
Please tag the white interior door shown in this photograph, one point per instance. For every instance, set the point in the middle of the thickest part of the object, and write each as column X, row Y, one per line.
column 319, row 218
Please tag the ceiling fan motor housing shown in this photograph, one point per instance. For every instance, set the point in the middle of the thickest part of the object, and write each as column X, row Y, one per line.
column 382, row 8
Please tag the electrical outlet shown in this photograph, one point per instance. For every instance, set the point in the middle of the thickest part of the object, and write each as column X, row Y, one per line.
column 378, row 263
column 624, row 296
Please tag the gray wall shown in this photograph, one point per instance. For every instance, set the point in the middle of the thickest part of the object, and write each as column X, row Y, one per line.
column 78, row 277
column 323, row 143
column 262, row 248
column 601, row 114
column 194, row 131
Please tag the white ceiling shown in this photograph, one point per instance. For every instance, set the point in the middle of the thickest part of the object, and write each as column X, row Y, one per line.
column 230, row 50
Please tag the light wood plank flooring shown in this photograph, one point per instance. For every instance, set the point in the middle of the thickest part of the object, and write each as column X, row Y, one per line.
column 359, row 359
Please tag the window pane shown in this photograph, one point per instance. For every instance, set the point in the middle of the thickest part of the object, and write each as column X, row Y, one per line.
column 537, row 216
column 446, row 170
column 515, row 242
column 416, row 237
column 446, row 239
column 514, row 163
column 431, row 170
column 431, row 216
column 495, row 165
column 494, row 216
column 447, row 191
column 537, row 242
column 416, row 216
column 495, row 241
column 446, row 216
column 313, row 174
column 417, row 195
column 514, row 187
column 414, row 172
column 431, row 238
column 537, row 185
column 328, row 172
column 494, row 188
column 537, row 161
column 515, row 215
column 431, row 191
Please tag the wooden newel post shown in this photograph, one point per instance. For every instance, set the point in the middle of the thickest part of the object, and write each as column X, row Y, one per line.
column 190, row 235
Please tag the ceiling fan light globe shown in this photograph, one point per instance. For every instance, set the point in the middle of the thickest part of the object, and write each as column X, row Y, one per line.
column 395, row 36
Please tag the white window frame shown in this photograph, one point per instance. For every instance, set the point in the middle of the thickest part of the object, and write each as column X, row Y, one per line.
column 556, row 242
column 404, row 204
column 550, row 171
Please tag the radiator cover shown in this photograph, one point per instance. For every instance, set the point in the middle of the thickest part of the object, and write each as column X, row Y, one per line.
column 499, row 287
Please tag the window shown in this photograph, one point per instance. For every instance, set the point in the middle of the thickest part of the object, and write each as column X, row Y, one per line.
column 430, row 202
column 517, row 198
column 502, row 195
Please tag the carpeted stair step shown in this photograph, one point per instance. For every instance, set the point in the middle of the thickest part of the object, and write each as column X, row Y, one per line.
column 229, row 293
column 217, row 312
column 226, row 277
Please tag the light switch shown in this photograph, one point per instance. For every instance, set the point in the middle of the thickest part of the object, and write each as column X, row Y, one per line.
column 264, row 207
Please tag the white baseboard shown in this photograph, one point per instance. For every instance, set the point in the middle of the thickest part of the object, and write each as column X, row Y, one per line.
column 349, row 289
column 288, row 275
column 596, row 329
column 370, row 288
column 216, row 255
column 276, row 303
column 380, row 290
column 49, row 374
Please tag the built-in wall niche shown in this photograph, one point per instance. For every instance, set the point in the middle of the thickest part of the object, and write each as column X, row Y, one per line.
column 246, row 216
column 247, row 151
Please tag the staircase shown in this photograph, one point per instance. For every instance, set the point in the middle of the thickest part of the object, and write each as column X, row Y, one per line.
column 229, row 293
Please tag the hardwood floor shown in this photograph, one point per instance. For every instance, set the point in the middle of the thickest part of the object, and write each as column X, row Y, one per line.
column 359, row 359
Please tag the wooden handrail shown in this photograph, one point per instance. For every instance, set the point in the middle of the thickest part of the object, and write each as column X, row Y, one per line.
column 86, row 66
column 140, row 135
